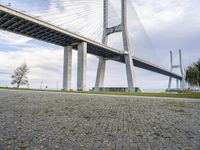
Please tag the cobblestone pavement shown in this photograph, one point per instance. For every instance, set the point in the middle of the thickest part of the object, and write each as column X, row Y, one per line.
column 42, row 120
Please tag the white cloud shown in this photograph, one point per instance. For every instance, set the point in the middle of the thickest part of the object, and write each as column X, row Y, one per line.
column 13, row 39
column 160, row 14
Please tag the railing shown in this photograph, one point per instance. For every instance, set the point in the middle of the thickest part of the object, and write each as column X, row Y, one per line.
column 9, row 5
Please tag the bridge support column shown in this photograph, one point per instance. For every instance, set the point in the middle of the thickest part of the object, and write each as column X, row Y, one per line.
column 182, row 84
column 67, row 68
column 170, row 83
column 100, row 73
column 130, row 71
column 179, row 83
column 102, row 61
column 82, row 61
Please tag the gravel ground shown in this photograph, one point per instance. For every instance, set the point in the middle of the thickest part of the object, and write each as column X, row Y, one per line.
column 43, row 120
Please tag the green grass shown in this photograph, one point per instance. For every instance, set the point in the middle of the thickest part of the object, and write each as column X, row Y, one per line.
column 163, row 94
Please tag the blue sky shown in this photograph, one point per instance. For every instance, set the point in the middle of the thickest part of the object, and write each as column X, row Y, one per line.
column 167, row 25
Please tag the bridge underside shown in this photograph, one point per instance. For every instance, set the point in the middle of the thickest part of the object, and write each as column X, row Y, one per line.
column 19, row 23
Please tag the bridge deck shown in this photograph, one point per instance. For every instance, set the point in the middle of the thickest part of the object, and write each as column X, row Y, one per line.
column 19, row 23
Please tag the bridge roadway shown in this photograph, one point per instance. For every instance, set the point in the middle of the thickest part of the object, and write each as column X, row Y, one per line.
column 17, row 22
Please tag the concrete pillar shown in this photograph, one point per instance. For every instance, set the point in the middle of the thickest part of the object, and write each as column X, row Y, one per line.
column 130, row 73
column 182, row 72
column 183, row 84
column 130, row 70
column 171, row 68
column 105, row 21
column 170, row 82
column 181, row 63
column 67, row 68
column 82, row 62
column 177, row 84
column 102, row 61
column 100, row 73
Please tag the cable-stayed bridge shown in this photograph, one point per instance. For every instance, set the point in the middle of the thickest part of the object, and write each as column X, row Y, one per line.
column 20, row 23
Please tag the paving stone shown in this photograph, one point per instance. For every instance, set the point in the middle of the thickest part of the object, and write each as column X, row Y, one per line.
column 44, row 120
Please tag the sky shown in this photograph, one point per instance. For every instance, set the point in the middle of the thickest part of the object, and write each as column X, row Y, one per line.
column 155, row 27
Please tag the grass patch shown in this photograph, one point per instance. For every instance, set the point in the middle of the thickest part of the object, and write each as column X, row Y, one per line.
column 163, row 94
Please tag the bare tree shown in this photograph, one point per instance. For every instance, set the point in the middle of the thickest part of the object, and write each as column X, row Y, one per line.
column 20, row 75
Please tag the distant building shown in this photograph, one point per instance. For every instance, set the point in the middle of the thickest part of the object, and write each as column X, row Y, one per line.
column 116, row 89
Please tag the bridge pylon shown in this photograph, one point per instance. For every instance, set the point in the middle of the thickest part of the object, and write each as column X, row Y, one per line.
column 180, row 84
column 122, row 27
